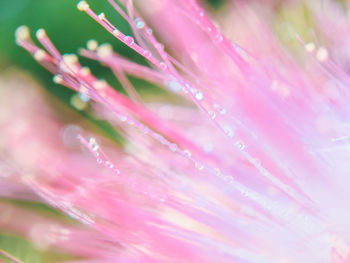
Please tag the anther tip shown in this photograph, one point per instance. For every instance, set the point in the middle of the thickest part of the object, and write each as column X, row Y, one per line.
column 57, row 79
column 40, row 33
column 92, row 45
column 22, row 33
column 83, row 6
column 39, row 55
column 102, row 16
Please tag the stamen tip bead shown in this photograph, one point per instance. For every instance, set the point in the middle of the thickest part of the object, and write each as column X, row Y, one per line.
column 70, row 59
column 105, row 50
column 39, row 55
column 22, row 33
column 102, row 16
column 40, row 33
column 92, row 45
column 83, row 6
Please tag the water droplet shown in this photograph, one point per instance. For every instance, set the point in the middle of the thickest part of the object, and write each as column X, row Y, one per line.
column 110, row 165
column 95, row 148
column 256, row 162
column 217, row 171
column 322, row 54
column 144, row 130
column 188, row 153
column 128, row 40
column 99, row 161
column 229, row 132
column 84, row 97
column 223, row 111
column 93, row 144
column 212, row 114
column 189, row 88
column 139, row 23
column 199, row 166
column 147, row 54
column 159, row 46
column 123, row 118
column 199, row 96
column 219, row 38
column 150, row 31
column 228, row 178
column 173, row 147
column 163, row 66
column 174, row 86
column 240, row 145
column 208, row 147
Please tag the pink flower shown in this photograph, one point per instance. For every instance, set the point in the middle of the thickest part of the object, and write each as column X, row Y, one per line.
column 249, row 165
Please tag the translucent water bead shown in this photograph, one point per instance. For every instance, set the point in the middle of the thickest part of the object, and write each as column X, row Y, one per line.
column 84, row 97
column 147, row 54
column 163, row 66
column 175, row 86
column 199, row 166
column 139, row 23
column 199, row 96
column 240, row 145
column 129, row 40
column 93, row 144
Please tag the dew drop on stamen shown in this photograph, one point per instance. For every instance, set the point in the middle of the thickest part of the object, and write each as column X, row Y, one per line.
column 223, row 111
column 173, row 147
column 199, row 96
column 163, row 66
column 199, row 166
column 240, row 145
column 93, row 144
column 212, row 114
column 147, row 54
column 84, row 97
column 95, row 148
column 189, row 87
column 139, row 23
column 159, row 46
column 110, row 165
column 217, row 171
column 256, row 162
column 174, row 86
column 229, row 132
column 208, row 147
column 228, row 179
column 188, row 153
column 129, row 40
column 219, row 38
column 322, row 54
